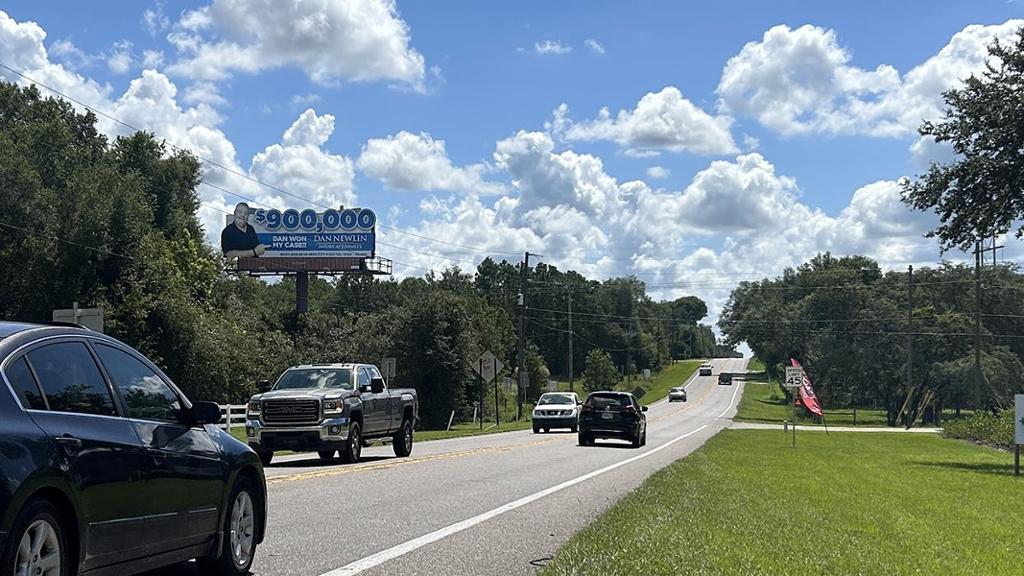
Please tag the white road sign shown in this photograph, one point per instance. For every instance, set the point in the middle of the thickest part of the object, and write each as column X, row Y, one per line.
column 1018, row 419
column 388, row 367
column 488, row 366
column 91, row 318
column 794, row 377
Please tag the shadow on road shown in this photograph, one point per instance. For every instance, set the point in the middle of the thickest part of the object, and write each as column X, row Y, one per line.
column 318, row 463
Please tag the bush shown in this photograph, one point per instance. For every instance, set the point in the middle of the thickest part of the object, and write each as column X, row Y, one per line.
column 984, row 428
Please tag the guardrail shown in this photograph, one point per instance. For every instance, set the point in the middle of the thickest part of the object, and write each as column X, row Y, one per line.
column 232, row 415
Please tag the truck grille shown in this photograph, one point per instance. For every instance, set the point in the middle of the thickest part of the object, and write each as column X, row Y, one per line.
column 291, row 411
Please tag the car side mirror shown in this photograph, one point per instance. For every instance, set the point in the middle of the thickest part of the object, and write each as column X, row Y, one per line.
column 644, row 408
column 263, row 385
column 203, row 413
column 376, row 385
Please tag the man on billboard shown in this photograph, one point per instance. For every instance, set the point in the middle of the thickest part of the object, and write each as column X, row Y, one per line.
column 239, row 240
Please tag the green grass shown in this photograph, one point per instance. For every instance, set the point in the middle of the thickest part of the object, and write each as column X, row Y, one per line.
column 763, row 401
column 463, row 429
column 748, row 504
column 755, row 365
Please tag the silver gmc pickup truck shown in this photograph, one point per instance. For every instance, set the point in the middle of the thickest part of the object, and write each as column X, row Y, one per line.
column 331, row 407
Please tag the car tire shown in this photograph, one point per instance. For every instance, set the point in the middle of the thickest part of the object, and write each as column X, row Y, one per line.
column 38, row 519
column 402, row 440
column 635, row 440
column 546, row 430
column 266, row 457
column 353, row 448
column 238, row 546
column 643, row 439
column 582, row 439
column 536, row 430
column 575, row 428
column 326, row 454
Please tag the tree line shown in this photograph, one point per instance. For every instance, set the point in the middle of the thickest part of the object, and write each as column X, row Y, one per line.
column 113, row 224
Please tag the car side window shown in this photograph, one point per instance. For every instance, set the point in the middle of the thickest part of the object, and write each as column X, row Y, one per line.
column 145, row 394
column 374, row 373
column 364, row 378
column 69, row 377
column 24, row 384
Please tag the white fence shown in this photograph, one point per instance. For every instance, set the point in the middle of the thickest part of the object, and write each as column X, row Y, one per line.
column 232, row 415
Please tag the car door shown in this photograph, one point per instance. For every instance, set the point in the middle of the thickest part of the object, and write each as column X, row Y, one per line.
column 372, row 414
column 185, row 474
column 385, row 405
column 97, row 448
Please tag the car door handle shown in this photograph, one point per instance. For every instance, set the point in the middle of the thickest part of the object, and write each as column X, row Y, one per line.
column 158, row 456
column 69, row 443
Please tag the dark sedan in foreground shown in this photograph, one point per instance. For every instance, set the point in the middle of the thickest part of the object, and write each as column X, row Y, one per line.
column 613, row 415
column 106, row 467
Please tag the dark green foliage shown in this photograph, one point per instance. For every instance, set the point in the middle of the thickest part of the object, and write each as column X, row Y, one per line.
column 600, row 374
column 985, row 428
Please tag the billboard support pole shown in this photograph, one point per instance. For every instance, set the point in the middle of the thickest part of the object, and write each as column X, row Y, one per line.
column 301, row 293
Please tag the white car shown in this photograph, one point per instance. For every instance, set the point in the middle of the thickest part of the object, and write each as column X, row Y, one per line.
column 556, row 410
column 705, row 369
column 677, row 394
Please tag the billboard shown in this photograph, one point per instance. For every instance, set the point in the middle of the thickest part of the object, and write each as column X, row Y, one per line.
column 262, row 233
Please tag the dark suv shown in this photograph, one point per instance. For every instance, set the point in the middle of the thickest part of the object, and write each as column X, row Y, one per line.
column 613, row 415
column 106, row 468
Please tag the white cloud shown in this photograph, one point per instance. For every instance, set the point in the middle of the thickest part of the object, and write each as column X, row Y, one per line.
column 70, row 55
column 594, row 46
column 154, row 19
column 658, row 172
column 152, row 59
column 120, row 59
column 551, row 47
column 204, row 93
column 407, row 161
column 661, row 121
column 306, row 99
column 802, row 81
column 330, row 40
column 300, row 165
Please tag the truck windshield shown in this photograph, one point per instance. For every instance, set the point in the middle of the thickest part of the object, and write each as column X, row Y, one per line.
column 555, row 399
column 316, row 378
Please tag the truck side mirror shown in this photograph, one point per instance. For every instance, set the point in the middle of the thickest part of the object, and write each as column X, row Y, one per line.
column 263, row 385
column 376, row 385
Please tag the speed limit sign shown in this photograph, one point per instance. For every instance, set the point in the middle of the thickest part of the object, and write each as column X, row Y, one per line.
column 794, row 377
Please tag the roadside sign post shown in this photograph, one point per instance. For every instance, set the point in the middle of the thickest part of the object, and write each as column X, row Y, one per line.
column 794, row 379
column 91, row 318
column 488, row 366
column 1018, row 431
column 387, row 366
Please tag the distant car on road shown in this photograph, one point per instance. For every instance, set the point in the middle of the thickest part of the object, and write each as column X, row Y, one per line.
column 107, row 468
column 556, row 410
column 705, row 369
column 328, row 408
column 677, row 394
column 725, row 379
column 613, row 415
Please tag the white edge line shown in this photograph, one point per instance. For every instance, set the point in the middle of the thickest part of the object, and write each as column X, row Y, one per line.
column 733, row 400
column 406, row 547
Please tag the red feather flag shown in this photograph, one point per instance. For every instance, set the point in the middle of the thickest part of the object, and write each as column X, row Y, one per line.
column 807, row 396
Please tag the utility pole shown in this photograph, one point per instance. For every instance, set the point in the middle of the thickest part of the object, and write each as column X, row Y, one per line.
column 910, row 333
column 571, row 338
column 979, row 376
column 521, row 349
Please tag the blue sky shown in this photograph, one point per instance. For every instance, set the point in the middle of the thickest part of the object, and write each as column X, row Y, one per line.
column 815, row 154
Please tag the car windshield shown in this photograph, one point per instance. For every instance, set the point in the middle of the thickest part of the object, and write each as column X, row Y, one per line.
column 340, row 378
column 555, row 399
column 599, row 401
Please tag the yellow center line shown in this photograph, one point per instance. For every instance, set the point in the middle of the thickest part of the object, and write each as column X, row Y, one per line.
column 330, row 472
column 400, row 461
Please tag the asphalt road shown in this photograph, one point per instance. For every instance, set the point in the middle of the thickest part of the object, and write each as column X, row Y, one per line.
column 495, row 504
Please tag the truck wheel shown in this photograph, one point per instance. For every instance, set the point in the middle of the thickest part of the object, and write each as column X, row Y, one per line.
column 354, row 446
column 37, row 544
column 536, row 430
column 325, row 454
column 402, row 440
column 266, row 457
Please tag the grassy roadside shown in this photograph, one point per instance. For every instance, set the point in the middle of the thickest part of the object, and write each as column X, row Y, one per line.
column 748, row 504
column 763, row 401
column 670, row 377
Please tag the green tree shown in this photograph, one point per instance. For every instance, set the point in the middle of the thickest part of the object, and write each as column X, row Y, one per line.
column 980, row 193
column 600, row 373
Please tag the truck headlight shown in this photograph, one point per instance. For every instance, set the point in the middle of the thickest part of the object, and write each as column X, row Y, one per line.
column 254, row 406
column 334, row 406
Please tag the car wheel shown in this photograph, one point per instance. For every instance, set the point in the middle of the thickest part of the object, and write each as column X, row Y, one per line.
column 536, row 430
column 266, row 457
column 238, row 546
column 354, row 446
column 546, row 430
column 636, row 439
column 402, row 440
column 326, row 454
column 643, row 439
column 575, row 428
column 582, row 439
column 36, row 545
